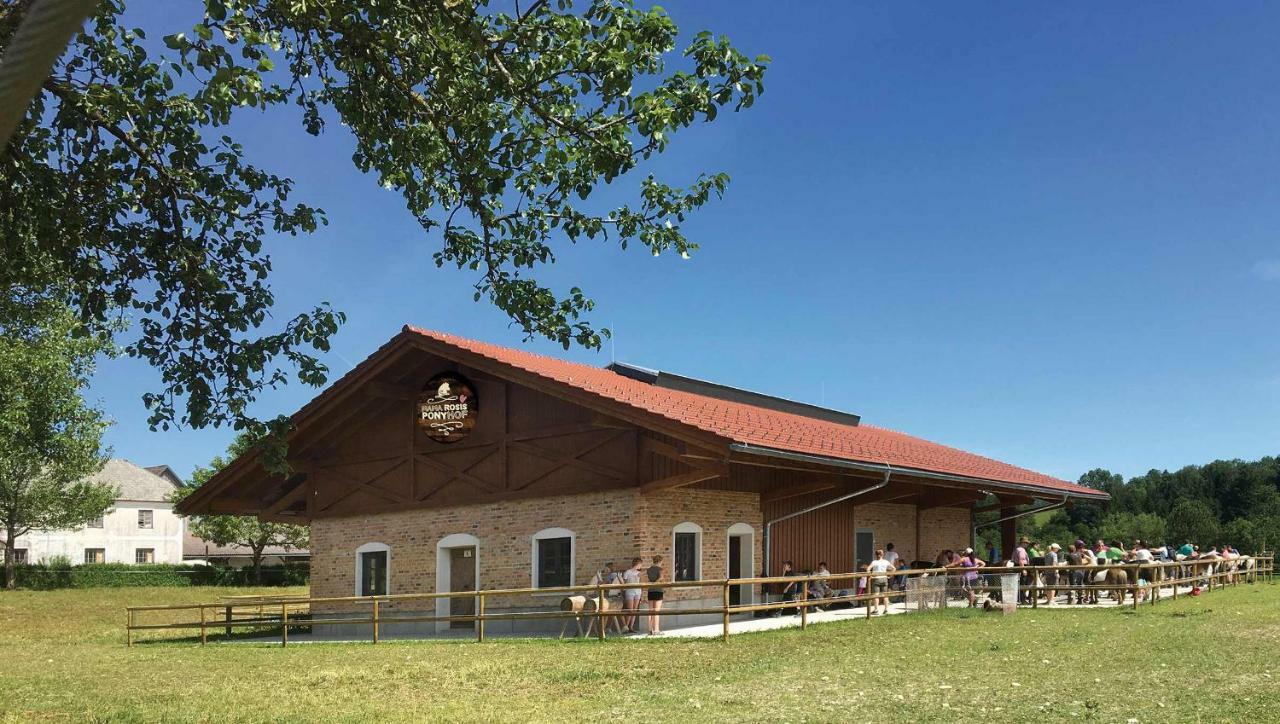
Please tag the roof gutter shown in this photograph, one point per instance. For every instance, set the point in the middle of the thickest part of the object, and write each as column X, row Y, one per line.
column 917, row 472
column 768, row 526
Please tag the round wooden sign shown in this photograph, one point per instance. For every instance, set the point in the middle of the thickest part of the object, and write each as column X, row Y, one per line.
column 448, row 407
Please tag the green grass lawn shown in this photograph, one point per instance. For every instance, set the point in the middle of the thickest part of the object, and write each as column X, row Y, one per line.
column 1215, row 658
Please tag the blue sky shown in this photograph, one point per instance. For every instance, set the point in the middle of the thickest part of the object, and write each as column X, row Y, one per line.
column 1049, row 233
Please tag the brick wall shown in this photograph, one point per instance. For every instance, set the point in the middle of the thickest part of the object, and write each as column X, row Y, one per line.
column 942, row 528
column 715, row 511
column 608, row 526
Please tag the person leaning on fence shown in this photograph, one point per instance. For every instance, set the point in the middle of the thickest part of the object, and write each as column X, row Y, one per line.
column 900, row 580
column 880, row 581
column 631, row 597
column 604, row 576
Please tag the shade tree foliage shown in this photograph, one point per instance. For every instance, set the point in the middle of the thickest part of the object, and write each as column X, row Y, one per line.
column 127, row 191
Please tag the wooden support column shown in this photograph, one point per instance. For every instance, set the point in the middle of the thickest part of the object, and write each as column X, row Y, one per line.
column 1008, row 532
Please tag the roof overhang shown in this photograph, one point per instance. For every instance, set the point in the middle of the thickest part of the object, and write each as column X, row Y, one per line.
column 993, row 486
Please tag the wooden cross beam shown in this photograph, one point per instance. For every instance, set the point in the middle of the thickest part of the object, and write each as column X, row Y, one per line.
column 682, row 480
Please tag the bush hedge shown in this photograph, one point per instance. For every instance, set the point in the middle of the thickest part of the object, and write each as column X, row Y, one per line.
column 57, row 574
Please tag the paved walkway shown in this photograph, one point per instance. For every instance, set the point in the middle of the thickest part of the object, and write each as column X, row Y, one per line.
column 738, row 624
column 851, row 614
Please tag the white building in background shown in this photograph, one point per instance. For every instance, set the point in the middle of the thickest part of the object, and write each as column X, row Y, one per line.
column 140, row 527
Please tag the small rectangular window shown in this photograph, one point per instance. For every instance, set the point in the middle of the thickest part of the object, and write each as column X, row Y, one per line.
column 144, row 555
column 95, row 555
column 555, row 560
column 145, row 519
column 686, row 557
column 373, row 573
column 20, row 556
column 95, row 523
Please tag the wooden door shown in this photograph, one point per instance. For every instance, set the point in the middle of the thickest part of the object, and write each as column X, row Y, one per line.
column 863, row 547
column 735, row 568
column 462, row 577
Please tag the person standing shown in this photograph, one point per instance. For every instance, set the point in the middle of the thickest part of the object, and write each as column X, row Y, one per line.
column 790, row 591
column 1020, row 558
column 1075, row 557
column 969, row 563
column 1051, row 575
column 655, row 597
column 631, row 597
column 880, row 568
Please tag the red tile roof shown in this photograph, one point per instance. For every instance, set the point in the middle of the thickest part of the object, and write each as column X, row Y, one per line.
column 752, row 425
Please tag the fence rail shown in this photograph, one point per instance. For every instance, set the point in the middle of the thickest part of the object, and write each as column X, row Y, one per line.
column 1142, row 582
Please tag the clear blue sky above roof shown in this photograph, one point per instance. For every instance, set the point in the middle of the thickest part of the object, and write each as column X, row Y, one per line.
column 1048, row 234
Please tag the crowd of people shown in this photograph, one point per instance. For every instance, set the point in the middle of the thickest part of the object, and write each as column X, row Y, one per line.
column 966, row 582
column 887, row 574
column 632, row 599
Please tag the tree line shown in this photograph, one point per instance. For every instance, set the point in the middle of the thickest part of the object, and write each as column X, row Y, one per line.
column 1236, row 502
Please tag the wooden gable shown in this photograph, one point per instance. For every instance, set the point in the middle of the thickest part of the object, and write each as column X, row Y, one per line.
column 371, row 455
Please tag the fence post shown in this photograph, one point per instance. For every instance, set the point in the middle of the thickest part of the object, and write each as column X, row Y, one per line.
column 804, row 605
column 1035, row 587
column 866, row 589
column 480, row 617
column 227, row 630
column 128, row 627
column 1136, row 587
column 284, row 624
column 204, row 638
column 601, row 603
column 375, row 621
column 725, row 609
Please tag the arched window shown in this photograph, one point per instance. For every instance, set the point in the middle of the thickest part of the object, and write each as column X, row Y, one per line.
column 686, row 552
column 373, row 569
column 553, row 557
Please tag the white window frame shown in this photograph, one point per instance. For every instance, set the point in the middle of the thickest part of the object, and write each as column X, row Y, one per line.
column 688, row 527
column 136, row 551
column 21, row 556
column 544, row 534
column 86, row 555
column 371, row 548
column 151, row 519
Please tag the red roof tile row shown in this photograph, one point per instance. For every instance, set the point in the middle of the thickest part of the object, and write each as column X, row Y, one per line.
column 752, row 425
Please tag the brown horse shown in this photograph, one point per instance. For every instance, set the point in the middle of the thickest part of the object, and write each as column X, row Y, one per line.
column 1112, row 578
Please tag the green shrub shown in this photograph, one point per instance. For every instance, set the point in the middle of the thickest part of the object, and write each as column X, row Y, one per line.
column 59, row 573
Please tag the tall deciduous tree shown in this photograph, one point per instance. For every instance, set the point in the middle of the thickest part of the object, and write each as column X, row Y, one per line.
column 1194, row 521
column 496, row 121
column 50, row 440
column 240, row 530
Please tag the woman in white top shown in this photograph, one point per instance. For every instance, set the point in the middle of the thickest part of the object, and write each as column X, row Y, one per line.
column 880, row 581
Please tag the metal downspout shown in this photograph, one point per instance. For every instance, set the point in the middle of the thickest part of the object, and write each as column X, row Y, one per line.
column 768, row 526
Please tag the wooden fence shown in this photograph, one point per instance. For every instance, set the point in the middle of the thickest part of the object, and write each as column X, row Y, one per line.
column 257, row 615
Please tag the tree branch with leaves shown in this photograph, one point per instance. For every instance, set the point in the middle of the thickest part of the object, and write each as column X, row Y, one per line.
column 497, row 123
